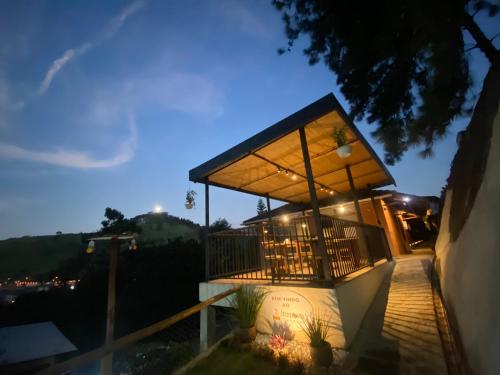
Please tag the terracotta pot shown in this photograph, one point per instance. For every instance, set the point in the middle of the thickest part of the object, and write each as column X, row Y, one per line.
column 344, row 151
column 322, row 355
column 247, row 335
column 188, row 205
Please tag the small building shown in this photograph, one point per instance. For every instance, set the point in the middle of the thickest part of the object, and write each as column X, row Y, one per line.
column 329, row 248
column 29, row 348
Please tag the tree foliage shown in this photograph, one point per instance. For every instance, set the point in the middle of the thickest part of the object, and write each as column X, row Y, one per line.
column 116, row 223
column 400, row 64
column 261, row 207
column 219, row 225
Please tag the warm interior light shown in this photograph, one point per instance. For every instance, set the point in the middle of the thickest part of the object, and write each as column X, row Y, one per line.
column 285, row 218
column 90, row 248
column 294, row 176
column 304, row 225
column 331, row 192
column 341, row 209
column 157, row 209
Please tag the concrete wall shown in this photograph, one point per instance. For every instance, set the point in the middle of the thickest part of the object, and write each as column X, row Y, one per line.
column 355, row 297
column 469, row 268
column 285, row 306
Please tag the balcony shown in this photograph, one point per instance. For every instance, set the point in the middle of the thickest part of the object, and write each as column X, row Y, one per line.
column 289, row 250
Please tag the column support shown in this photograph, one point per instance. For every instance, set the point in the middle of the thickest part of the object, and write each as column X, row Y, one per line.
column 107, row 361
column 207, row 328
column 362, row 236
column 315, row 208
column 379, row 222
column 207, row 227
column 268, row 201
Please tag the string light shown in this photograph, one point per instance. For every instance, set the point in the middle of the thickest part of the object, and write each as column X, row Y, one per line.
column 294, row 177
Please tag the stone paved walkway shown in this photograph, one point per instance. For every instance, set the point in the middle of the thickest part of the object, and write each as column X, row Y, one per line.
column 399, row 333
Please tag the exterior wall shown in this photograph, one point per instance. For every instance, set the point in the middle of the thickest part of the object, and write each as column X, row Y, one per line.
column 469, row 268
column 343, row 307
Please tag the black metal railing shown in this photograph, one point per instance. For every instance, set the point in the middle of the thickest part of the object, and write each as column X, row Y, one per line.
column 288, row 249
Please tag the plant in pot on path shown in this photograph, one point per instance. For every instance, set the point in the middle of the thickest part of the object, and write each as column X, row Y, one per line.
column 246, row 304
column 316, row 330
column 190, row 194
column 343, row 149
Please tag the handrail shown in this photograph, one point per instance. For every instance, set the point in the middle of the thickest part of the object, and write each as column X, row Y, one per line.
column 138, row 335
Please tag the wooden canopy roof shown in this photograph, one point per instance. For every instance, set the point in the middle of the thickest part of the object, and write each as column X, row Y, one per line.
column 271, row 164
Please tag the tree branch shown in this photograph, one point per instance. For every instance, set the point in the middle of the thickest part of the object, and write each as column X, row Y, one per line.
column 483, row 43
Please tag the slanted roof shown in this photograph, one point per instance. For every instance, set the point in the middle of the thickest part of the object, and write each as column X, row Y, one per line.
column 253, row 166
column 32, row 341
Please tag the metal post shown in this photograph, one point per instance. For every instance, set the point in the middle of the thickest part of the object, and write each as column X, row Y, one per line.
column 314, row 205
column 373, row 204
column 107, row 361
column 207, row 227
column 362, row 237
column 268, row 201
column 353, row 194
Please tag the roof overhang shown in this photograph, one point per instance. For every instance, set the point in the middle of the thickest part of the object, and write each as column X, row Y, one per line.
column 271, row 164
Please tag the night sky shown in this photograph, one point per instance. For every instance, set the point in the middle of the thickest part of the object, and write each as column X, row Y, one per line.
column 111, row 103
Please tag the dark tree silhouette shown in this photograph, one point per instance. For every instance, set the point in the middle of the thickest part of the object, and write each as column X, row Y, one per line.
column 219, row 225
column 116, row 223
column 401, row 64
column 261, row 207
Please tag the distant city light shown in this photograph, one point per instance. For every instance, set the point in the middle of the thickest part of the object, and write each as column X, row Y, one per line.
column 72, row 287
column 157, row 209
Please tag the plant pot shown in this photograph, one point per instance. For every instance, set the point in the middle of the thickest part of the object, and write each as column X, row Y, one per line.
column 188, row 205
column 322, row 356
column 247, row 335
column 344, row 151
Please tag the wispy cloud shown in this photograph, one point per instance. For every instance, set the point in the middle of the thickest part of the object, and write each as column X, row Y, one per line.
column 243, row 18
column 70, row 54
column 71, row 158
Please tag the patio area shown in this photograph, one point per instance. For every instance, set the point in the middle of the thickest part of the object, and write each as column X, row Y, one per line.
column 288, row 250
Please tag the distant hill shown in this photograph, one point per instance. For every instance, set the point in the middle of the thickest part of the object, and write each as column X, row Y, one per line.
column 40, row 255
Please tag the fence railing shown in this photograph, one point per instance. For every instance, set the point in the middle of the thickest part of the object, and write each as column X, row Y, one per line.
column 288, row 250
column 122, row 342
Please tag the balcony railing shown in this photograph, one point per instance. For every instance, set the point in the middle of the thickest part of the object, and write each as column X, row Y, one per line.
column 280, row 250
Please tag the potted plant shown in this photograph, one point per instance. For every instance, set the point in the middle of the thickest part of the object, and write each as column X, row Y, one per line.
column 190, row 194
column 343, row 149
column 316, row 330
column 246, row 303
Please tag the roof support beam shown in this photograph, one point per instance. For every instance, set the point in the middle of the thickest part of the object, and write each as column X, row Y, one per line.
column 338, row 183
column 361, row 235
column 322, row 175
column 325, row 264
column 286, row 169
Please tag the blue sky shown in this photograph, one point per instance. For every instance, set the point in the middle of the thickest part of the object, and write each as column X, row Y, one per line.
column 111, row 104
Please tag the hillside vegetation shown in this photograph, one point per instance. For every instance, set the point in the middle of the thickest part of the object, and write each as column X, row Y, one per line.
column 39, row 256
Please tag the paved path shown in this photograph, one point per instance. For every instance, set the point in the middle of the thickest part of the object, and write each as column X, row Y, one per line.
column 399, row 333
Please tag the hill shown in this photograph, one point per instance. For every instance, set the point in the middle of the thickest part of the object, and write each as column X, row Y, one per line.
column 38, row 256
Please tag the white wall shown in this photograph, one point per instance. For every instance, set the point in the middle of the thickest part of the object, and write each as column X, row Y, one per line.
column 343, row 307
column 470, row 268
column 355, row 297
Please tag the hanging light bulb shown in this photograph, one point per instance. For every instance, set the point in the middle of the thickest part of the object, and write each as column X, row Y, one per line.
column 91, row 247
column 294, row 176
column 279, row 170
column 133, row 245
column 331, row 192
column 286, row 172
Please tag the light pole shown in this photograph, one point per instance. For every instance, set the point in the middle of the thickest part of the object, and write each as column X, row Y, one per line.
column 107, row 361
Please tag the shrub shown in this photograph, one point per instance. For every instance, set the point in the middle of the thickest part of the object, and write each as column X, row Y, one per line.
column 247, row 302
column 316, row 329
